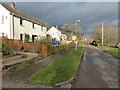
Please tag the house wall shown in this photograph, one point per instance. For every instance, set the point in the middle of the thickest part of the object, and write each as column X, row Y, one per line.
column 12, row 28
column 4, row 21
column 27, row 27
column 54, row 33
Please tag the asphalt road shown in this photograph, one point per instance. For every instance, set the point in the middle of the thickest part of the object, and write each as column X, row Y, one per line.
column 97, row 70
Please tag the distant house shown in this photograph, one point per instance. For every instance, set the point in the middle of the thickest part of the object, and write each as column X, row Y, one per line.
column 54, row 33
column 64, row 34
column 87, row 39
column 15, row 23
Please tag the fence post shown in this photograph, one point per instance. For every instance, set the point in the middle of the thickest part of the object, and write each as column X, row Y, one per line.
column 44, row 50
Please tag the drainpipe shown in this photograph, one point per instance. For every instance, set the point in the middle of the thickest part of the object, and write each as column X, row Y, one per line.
column 13, row 24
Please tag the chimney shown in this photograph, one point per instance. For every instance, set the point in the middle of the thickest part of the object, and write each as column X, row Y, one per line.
column 12, row 5
column 57, row 26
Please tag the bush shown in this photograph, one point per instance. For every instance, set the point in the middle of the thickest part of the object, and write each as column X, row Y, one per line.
column 45, row 41
column 27, row 38
column 6, row 49
column 52, row 49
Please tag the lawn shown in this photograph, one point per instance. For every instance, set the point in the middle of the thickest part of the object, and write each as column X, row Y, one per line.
column 59, row 71
column 111, row 50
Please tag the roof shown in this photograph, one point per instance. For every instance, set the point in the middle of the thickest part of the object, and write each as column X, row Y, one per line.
column 53, row 30
column 23, row 15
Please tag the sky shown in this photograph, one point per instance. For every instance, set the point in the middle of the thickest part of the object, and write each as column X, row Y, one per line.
column 59, row 13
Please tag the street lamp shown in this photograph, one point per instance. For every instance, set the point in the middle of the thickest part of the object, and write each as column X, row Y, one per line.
column 76, row 33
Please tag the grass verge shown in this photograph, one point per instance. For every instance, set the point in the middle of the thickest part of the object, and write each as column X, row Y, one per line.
column 59, row 71
column 111, row 50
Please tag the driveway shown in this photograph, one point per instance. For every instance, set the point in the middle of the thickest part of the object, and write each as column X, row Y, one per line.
column 97, row 70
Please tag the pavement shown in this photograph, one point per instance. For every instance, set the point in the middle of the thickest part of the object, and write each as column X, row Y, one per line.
column 97, row 70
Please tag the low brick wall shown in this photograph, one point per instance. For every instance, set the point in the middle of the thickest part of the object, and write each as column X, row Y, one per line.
column 18, row 45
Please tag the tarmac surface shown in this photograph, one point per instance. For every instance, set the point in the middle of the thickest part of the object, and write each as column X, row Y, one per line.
column 97, row 70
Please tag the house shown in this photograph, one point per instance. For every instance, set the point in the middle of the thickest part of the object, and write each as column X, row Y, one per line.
column 63, row 35
column 54, row 33
column 15, row 24
column 87, row 39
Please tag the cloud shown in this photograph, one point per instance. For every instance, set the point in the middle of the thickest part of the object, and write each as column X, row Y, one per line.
column 61, row 0
column 59, row 13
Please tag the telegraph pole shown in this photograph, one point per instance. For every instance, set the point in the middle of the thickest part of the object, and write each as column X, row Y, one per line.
column 76, row 33
column 102, row 34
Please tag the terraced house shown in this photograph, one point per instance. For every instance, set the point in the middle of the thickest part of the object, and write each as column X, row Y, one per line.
column 15, row 24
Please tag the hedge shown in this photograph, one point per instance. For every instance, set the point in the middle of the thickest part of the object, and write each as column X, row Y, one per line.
column 52, row 49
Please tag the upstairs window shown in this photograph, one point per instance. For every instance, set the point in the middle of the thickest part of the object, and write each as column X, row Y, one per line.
column 3, row 21
column 33, row 25
column 41, row 28
column 21, row 21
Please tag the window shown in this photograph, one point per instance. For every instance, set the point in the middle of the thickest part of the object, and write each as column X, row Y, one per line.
column 21, row 21
column 33, row 37
column 3, row 19
column 41, row 28
column 33, row 25
column 21, row 36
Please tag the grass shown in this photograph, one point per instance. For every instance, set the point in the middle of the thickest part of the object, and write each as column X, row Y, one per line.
column 59, row 71
column 111, row 50
column 0, row 46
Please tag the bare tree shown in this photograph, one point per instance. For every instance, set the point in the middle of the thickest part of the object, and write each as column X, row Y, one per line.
column 71, row 28
column 110, row 34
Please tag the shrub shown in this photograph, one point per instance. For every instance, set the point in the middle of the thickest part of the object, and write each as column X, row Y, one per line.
column 45, row 41
column 52, row 49
column 27, row 38
column 6, row 49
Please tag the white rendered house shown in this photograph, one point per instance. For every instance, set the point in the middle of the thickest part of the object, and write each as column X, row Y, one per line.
column 54, row 33
column 15, row 24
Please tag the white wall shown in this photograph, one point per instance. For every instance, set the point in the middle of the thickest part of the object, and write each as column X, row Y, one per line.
column 27, row 27
column 4, row 27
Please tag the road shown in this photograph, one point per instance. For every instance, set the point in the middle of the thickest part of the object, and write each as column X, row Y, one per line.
column 97, row 70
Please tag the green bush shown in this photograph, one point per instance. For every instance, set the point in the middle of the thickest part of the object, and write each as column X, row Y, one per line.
column 27, row 38
column 6, row 49
column 45, row 41
column 52, row 49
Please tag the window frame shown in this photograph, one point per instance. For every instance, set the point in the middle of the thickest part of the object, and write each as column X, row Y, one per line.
column 3, row 19
column 21, row 21
column 33, row 25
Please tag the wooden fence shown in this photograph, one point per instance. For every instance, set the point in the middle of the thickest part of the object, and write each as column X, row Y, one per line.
column 18, row 45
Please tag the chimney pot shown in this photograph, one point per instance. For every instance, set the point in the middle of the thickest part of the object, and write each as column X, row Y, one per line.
column 12, row 5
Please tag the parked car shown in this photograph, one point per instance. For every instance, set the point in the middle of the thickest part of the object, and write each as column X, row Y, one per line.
column 118, row 45
column 55, row 42
column 94, row 43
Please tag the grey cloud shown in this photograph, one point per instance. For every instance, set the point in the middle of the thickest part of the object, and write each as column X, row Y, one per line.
column 59, row 13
